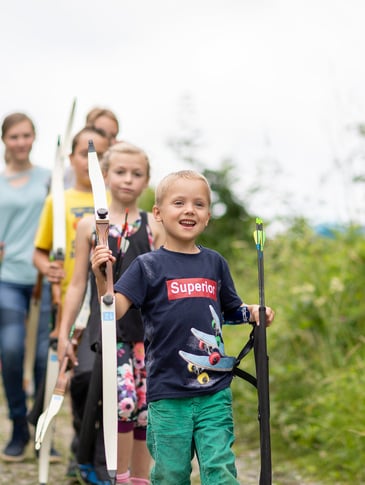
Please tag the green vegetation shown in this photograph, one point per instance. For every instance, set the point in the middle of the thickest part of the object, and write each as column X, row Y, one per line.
column 317, row 352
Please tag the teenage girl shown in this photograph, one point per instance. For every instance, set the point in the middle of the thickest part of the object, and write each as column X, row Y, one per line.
column 23, row 189
column 104, row 119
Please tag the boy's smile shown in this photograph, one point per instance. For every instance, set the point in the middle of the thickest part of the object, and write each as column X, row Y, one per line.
column 184, row 211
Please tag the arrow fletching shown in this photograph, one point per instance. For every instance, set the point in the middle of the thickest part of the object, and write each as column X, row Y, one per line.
column 259, row 234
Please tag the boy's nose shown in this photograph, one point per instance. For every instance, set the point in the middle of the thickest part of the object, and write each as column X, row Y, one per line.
column 189, row 207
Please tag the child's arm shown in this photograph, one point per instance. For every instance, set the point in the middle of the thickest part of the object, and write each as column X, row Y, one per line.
column 247, row 314
column 99, row 258
column 43, row 245
column 158, row 231
column 76, row 288
column 122, row 304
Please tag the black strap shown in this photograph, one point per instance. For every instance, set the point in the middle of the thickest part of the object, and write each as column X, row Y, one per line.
column 245, row 350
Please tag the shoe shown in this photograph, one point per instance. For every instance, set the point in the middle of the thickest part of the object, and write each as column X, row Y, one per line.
column 14, row 451
column 87, row 475
column 72, row 468
column 54, row 456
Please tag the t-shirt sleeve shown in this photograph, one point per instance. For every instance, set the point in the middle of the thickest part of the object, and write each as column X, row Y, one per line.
column 44, row 235
column 133, row 283
column 229, row 298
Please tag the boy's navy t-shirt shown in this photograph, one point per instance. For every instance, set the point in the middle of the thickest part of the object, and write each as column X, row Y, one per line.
column 175, row 292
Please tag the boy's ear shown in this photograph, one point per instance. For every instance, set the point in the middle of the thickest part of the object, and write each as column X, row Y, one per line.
column 156, row 213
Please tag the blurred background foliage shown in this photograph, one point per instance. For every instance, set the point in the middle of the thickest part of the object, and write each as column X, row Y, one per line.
column 315, row 281
column 316, row 345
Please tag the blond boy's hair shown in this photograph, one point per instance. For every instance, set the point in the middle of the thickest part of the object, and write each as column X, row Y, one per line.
column 167, row 181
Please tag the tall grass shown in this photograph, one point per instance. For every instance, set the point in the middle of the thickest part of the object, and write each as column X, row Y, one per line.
column 316, row 348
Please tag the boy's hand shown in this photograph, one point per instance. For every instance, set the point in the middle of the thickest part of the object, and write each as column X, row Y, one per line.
column 254, row 310
column 100, row 256
column 65, row 347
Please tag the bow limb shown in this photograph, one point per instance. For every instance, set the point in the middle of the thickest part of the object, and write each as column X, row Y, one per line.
column 44, row 429
column 108, row 323
column 31, row 336
column 57, row 254
column 262, row 361
column 59, row 232
column 62, row 377
column 53, row 378
column 66, row 142
column 54, row 405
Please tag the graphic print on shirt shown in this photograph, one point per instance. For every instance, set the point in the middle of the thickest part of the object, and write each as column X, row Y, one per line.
column 215, row 358
column 78, row 213
column 191, row 288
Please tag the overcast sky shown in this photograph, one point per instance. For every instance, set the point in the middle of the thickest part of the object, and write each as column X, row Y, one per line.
column 276, row 85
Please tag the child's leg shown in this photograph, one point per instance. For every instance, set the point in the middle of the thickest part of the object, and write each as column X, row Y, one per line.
column 127, row 403
column 214, row 437
column 125, row 447
column 140, row 462
column 141, row 458
column 169, row 439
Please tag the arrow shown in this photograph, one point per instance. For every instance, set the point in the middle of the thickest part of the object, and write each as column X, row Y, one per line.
column 262, row 363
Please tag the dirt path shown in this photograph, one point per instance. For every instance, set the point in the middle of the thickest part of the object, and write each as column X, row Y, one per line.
column 26, row 473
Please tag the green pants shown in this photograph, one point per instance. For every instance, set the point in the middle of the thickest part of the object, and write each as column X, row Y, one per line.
column 178, row 428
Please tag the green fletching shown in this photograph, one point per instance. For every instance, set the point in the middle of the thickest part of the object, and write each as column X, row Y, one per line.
column 259, row 234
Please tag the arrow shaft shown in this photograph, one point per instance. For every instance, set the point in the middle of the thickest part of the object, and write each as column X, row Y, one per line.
column 262, row 365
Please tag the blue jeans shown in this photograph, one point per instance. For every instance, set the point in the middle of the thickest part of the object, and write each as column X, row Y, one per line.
column 14, row 307
column 179, row 427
